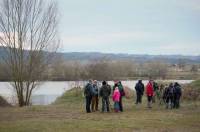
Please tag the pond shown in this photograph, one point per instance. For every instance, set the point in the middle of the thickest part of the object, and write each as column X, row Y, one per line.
column 47, row 92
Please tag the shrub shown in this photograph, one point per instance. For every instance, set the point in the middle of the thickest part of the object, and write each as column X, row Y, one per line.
column 192, row 91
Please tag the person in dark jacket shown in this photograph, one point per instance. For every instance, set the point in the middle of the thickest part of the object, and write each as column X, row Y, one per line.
column 88, row 92
column 165, row 93
column 95, row 98
column 105, row 92
column 169, row 96
column 139, row 88
column 177, row 95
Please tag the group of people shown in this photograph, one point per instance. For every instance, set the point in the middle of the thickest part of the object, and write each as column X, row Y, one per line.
column 170, row 95
column 92, row 93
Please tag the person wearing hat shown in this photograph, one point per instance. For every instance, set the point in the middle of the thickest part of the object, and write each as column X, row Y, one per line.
column 139, row 88
column 88, row 92
column 105, row 92
column 177, row 95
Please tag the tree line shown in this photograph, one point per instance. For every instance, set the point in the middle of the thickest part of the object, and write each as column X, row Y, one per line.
column 107, row 69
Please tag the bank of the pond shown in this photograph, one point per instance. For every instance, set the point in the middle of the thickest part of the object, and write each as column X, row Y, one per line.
column 3, row 102
column 48, row 91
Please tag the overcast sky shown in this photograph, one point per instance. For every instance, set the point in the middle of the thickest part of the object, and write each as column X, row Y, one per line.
column 130, row 26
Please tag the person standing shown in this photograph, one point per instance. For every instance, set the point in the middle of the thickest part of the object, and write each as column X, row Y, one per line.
column 122, row 93
column 155, row 90
column 105, row 92
column 139, row 88
column 149, row 93
column 116, row 98
column 165, row 93
column 88, row 92
column 160, row 93
column 169, row 93
column 177, row 95
column 95, row 98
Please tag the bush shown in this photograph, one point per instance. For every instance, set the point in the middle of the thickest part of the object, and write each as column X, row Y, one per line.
column 192, row 91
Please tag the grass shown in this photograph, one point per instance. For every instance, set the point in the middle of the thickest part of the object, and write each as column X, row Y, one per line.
column 68, row 114
column 195, row 84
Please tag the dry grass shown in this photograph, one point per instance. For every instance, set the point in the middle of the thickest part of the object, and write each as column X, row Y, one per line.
column 68, row 114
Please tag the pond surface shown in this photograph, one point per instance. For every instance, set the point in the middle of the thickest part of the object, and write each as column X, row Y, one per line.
column 47, row 92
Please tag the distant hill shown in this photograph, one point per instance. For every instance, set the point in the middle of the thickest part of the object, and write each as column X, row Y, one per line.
column 87, row 56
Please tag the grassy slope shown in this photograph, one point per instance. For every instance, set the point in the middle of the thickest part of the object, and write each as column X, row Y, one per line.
column 195, row 84
column 67, row 114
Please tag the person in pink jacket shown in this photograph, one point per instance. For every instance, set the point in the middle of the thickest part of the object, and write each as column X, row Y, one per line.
column 116, row 99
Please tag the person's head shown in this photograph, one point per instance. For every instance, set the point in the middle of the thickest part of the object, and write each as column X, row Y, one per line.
column 176, row 84
column 116, row 88
column 151, row 81
column 104, row 83
column 95, row 81
column 171, row 85
column 119, row 83
column 115, row 84
column 90, row 81
column 140, row 81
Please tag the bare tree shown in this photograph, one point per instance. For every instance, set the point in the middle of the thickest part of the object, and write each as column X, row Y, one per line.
column 28, row 33
column 194, row 68
column 156, row 69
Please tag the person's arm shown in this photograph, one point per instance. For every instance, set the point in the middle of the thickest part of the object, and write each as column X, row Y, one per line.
column 92, row 90
column 142, row 88
column 85, row 91
column 136, row 87
column 113, row 96
column 146, row 90
column 180, row 91
column 100, row 92
column 109, row 90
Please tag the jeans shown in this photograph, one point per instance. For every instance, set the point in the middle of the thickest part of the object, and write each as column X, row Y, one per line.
column 170, row 102
column 149, row 99
column 88, row 103
column 105, row 104
column 177, row 101
column 139, row 98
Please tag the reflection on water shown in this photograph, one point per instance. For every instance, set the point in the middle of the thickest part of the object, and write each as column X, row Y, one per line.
column 47, row 92
column 43, row 99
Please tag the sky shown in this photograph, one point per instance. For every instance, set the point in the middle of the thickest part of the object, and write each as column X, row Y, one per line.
column 157, row 27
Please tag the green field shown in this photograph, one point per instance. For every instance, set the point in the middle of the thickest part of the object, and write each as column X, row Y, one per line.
column 67, row 114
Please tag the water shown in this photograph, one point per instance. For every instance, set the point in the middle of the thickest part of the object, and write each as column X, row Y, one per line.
column 47, row 92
